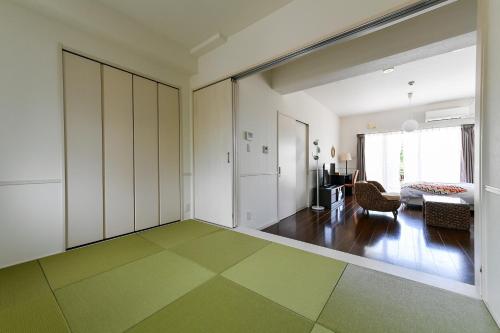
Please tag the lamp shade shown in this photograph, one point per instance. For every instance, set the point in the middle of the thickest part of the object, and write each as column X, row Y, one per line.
column 345, row 157
column 409, row 125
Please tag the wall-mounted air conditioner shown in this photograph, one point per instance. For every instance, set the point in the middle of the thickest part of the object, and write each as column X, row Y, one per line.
column 460, row 112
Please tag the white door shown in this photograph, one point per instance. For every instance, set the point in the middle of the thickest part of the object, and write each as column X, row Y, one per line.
column 213, row 153
column 490, row 124
column 287, row 163
column 301, row 162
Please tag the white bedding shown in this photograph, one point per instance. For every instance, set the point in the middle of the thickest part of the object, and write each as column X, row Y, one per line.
column 412, row 196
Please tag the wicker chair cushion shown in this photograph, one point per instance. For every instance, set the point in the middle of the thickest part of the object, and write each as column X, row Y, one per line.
column 391, row 196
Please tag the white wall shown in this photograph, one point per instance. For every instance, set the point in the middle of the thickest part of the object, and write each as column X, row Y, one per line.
column 258, row 106
column 298, row 24
column 390, row 121
column 31, row 125
column 96, row 18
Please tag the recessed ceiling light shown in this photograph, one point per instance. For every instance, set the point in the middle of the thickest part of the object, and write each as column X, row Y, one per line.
column 388, row 70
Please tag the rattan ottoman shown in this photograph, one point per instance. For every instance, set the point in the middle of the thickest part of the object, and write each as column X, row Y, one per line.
column 446, row 212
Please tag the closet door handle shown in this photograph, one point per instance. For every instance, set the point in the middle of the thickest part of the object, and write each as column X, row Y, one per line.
column 228, row 158
column 279, row 171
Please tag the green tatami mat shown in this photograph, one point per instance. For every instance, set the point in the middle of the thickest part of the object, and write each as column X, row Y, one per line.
column 115, row 300
column 221, row 306
column 299, row 280
column 369, row 301
column 74, row 265
column 320, row 329
column 220, row 250
column 26, row 301
column 177, row 233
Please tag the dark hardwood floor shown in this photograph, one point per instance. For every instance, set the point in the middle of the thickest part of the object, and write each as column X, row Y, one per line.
column 408, row 242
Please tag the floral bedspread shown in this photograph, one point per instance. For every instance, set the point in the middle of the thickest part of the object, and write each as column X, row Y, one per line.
column 436, row 188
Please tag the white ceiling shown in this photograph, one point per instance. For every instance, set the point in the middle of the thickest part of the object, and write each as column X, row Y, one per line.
column 438, row 78
column 191, row 22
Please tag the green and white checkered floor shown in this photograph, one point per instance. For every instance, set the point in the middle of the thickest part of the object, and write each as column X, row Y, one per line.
column 195, row 277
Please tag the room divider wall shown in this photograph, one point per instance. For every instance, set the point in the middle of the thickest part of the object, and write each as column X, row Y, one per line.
column 122, row 140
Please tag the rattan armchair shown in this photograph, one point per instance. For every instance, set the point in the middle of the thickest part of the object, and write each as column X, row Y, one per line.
column 371, row 195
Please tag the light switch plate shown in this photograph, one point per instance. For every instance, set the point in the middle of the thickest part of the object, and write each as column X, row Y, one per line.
column 249, row 136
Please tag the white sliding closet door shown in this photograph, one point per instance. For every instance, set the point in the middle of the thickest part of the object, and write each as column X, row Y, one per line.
column 118, row 137
column 82, row 106
column 169, row 154
column 213, row 153
column 145, row 152
column 287, row 164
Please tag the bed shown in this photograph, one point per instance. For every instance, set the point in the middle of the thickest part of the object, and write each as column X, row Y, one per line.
column 411, row 193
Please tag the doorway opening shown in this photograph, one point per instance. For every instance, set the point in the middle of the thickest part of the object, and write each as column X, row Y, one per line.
column 358, row 106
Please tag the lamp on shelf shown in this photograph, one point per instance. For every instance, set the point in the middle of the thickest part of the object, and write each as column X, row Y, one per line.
column 345, row 157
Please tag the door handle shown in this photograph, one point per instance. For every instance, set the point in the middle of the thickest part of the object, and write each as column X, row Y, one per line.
column 279, row 171
column 228, row 158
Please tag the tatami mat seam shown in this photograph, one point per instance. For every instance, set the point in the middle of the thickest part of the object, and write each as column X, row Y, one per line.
column 220, row 275
column 274, row 302
column 108, row 270
column 134, row 260
column 269, row 243
column 246, row 257
column 331, row 294
column 175, row 300
column 215, row 276
column 139, row 233
column 54, row 295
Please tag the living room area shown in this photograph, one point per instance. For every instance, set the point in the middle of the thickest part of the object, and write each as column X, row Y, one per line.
column 389, row 138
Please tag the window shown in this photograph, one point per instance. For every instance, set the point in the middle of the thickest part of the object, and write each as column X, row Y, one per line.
column 428, row 155
column 432, row 155
column 383, row 159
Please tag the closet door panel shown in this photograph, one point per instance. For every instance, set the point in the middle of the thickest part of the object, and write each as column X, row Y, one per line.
column 83, row 132
column 145, row 153
column 118, row 133
column 169, row 154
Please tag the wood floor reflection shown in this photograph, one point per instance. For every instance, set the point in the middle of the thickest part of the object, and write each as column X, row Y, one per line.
column 408, row 242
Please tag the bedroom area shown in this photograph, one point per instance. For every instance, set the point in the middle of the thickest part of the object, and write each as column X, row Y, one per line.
column 422, row 153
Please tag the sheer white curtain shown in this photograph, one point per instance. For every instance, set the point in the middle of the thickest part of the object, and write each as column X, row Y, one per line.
column 432, row 155
column 382, row 154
